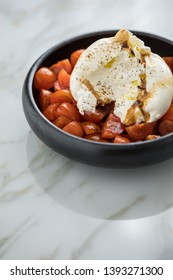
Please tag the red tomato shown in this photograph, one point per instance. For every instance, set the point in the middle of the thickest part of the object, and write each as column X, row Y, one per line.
column 56, row 86
column 169, row 61
column 44, row 78
column 68, row 110
column 61, row 121
column 121, row 139
column 44, row 98
column 64, row 79
column 74, row 128
column 90, row 127
column 112, row 127
column 140, row 131
column 62, row 64
column 95, row 117
column 61, row 96
column 75, row 56
column 166, row 127
column 49, row 112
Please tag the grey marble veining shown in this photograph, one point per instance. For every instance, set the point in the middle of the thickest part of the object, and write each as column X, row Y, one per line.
column 54, row 208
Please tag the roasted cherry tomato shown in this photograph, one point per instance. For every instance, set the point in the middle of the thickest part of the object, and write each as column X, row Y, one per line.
column 61, row 96
column 49, row 112
column 112, row 127
column 44, row 98
column 169, row 61
column 96, row 137
column 90, row 127
column 152, row 137
column 44, row 78
column 61, row 121
column 95, row 117
column 75, row 56
column 166, row 127
column 121, row 139
column 74, row 128
column 140, row 131
column 62, row 64
column 64, row 79
column 68, row 110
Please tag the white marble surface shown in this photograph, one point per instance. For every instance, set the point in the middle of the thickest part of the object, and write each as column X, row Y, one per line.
column 54, row 208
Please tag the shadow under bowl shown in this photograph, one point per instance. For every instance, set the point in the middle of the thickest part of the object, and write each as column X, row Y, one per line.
column 85, row 151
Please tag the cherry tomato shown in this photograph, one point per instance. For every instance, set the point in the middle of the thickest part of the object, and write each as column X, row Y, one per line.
column 74, row 128
column 61, row 96
column 95, row 117
column 44, row 78
column 169, row 114
column 56, row 86
column 75, row 56
column 121, row 139
column 44, row 98
column 49, row 112
column 64, row 79
column 96, row 137
column 62, row 64
column 166, row 127
column 169, row 61
column 90, row 127
column 140, row 131
column 68, row 110
column 61, row 121
column 112, row 127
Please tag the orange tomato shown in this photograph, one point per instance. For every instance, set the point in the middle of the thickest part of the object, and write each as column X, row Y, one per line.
column 112, row 127
column 61, row 96
column 140, row 131
column 68, row 110
column 74, row 128
column 169, row 61
column 152, row 137
column 61, row 121
column 75, row 56
column 90, row 127
column 44, row 78
column 44, row 98
column 166, row 127
column 49, row 112
column 95, row 117
column 121, row 139
column 96, row 137
column 62, row 64
column 64, row 79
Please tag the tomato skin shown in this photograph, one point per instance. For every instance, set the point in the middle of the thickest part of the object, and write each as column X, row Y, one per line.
column 166, row 127
column 69, row 111
column 44, row 98
column 56, row 86
column 62, row 64
column 61, row 96
column 44, row 78
column 64, row 79
column 96, row 137
column 49, row 112
column 140, row 131
column 90, row 127
column 152, row 137
column 61, row 121
column 95, row 117
column 74, row 128
column 169, row 61
column 112, row 127
column 169, row 114
column 75, row 56
column 121, row 139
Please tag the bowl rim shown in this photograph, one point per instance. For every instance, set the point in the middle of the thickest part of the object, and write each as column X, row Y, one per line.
column 29, row 84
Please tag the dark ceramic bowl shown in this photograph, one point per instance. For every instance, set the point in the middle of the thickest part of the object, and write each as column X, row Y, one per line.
column 85, row 151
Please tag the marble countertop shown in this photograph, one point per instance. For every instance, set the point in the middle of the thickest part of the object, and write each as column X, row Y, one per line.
column 50, row 206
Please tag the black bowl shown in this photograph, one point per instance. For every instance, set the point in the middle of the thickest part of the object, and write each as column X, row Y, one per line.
column 85, row 151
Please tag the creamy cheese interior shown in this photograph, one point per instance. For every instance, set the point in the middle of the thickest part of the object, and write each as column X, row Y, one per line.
column 124, row 70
